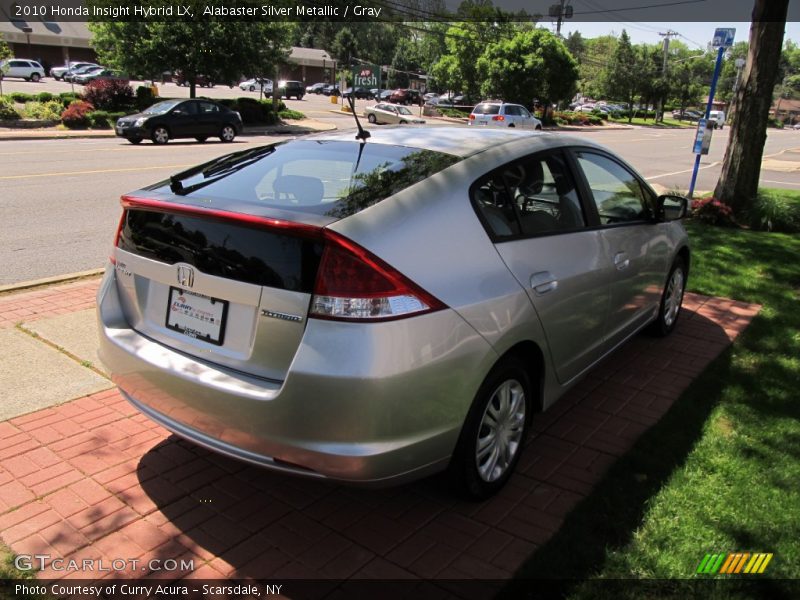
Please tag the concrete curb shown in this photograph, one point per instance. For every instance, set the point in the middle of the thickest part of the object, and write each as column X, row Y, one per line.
column 37, row 283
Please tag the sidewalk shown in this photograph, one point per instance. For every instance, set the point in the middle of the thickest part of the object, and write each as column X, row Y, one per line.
column 51, row 133
column 83, row 475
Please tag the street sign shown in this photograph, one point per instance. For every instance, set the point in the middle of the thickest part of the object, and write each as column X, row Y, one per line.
column 367, row 76
column 702, row 139
column 723, row 37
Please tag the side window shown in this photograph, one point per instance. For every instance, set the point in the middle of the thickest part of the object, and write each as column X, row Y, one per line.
column 188, row 108
column 545, row 195
column 529, row 197
column 207, row 107
column 524, row 112
column 617, row 193
column 512, row 111
column 492, row 200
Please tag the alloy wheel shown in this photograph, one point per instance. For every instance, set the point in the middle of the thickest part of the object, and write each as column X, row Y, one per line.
column 500, row 431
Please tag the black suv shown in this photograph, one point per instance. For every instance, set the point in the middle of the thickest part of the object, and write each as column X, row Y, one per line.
column 289, row 89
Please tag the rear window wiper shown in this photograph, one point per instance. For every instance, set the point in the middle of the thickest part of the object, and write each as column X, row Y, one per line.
column 217, row 169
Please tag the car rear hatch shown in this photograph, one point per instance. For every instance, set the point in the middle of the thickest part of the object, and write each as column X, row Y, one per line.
column 210, row 265
column 484, row 114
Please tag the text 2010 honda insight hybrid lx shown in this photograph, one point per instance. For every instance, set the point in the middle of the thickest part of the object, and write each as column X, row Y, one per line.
column 372, row 311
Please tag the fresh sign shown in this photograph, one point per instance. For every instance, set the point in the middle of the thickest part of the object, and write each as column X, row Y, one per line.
column 367, row 76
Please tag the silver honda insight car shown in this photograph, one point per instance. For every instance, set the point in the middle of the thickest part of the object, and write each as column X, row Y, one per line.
column 373, row 311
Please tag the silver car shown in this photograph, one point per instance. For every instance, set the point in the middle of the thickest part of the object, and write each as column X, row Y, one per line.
column 373, row 311
column 396, row 114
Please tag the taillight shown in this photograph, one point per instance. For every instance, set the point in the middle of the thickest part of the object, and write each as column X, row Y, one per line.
column 116, row 235
column 472, row 117
column 498, row 118
column 354, row 285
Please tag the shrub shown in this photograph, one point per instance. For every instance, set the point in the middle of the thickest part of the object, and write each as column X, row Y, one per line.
column 77, row 114
column 776, row 123
column 144, row 97
column 45, row 96
column 22, row 97
column 108, row 94
column 47, row 111
column 712, row 211
column 290, row 115
column 771, row 211
column 7, row 110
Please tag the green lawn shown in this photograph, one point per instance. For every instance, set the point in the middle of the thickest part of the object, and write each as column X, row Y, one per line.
column 721, row 471
column 668, row 122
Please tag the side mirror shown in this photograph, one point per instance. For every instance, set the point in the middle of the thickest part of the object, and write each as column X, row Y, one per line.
column 671, row 207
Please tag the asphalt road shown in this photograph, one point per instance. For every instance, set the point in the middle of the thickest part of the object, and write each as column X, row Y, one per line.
column 59, row 199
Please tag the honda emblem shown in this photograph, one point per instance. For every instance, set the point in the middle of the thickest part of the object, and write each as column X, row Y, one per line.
column 185, row 276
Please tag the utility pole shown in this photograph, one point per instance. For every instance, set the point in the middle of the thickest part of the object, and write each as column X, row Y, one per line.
column 669, row 34
column 560, row 11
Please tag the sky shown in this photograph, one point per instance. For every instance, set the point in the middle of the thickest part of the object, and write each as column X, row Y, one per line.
column 695, row 35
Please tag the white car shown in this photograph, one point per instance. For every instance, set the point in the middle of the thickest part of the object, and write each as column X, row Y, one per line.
column 503, row 114
column 58, row 73
column 251, row 85
column 29, row 70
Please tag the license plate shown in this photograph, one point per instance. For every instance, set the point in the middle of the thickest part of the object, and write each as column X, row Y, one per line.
column 197, row 316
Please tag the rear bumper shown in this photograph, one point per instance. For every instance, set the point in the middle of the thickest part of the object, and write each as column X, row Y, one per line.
column 377, row 404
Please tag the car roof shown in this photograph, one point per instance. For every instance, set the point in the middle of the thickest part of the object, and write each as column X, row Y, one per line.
column 458, row 141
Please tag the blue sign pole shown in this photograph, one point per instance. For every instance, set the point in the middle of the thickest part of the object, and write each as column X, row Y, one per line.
column 717, row 69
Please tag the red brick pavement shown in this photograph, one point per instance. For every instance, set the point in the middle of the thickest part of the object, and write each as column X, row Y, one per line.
column 93, row 478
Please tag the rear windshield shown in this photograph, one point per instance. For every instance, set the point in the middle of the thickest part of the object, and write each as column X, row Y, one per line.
column 487, row 109
column 331, row 178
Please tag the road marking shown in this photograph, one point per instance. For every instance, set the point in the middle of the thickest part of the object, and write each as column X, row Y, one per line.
column 65, row 174
column 716, row 164
column 794, row 183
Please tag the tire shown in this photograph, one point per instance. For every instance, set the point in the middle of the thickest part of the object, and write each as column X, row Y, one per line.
column 372, row 118
column 669, row 309
column 35, row 77
column 252, row 88
column 201, row 138
column 480, row 465
column 537, row 128
column 135, row 140
column 227, row 133
column 160, row 135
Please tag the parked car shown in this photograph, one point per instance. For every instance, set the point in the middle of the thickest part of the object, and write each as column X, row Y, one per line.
column 198, row 118
column 87, row 75
column 29, row 70
column 58, row 73
column 251, row 85
column 331, row 90
column 297, row 305
column 384, row 95
column 503, row 114
column 200, row 80
column 358, row 93
column 688, row 115
column 315, row 88
column 391, row 113
column 717, row 118
column 103, row 74
column 406, row 96
column 74, row 73
column 291, row 89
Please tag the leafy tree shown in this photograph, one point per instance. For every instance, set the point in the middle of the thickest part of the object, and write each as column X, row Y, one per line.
column 741, row 167
column 221, row 50
column 623, row 76
column 344, row 47
column 5, row 51
column 592, row 64
column 533, row 63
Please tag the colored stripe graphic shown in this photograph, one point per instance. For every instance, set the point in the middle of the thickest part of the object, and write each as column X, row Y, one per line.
column 734, row 563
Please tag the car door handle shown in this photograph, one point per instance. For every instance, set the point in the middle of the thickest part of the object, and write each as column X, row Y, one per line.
column 621, row 261
column 543, row 282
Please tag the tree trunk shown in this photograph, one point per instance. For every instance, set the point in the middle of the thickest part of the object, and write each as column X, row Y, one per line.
column 192, row 88
column 741, row 167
